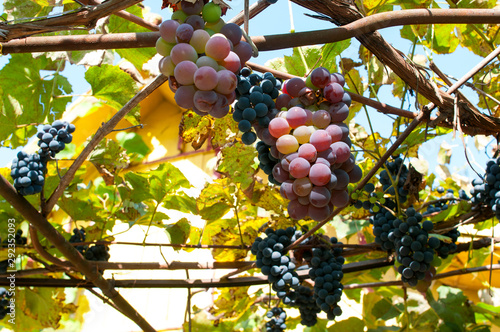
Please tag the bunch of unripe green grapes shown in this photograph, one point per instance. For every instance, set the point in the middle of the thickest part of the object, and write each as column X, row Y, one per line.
column 313, row 146
column 201, row 56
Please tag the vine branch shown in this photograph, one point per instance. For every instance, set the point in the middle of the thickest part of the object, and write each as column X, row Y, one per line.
column 53, row 236
column 86, row 16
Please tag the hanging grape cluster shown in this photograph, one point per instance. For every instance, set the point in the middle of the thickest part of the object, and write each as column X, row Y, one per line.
column 326, row 272
column 78, row 236
column 28, row 170
column 403, row 230
column 53, row 138
column 255, row 107
column 201, row 57
column 96, row 252
column 316, row 164
column 5, row 303
column 277, row 320
column 274, row 262
column 486, row 191
column 306, row 303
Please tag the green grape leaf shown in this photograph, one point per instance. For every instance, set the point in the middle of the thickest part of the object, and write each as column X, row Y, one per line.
column 108, row 157
column 347, row 228
column 445, row 41
column 133, row 143
column 295, row 63
column 140, row 186
column 38, row 308
column 181, row 202
column 178, row 233
column 45, row 3
column 114, row 87
column 232, row 303
column 452, row 307
column 22, row 9
column 171, row 177
column 238, row 162
column 215, row 200
column 485, row 313
column 27, row 98
column 352, row 324
column 139, row 55
column 329, row 53
column 269, row 198
column 224, row 130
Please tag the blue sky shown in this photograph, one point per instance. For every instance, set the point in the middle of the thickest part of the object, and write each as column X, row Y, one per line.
column 276, row 20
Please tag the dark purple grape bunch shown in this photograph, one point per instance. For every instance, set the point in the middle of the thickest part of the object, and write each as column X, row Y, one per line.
column 413, row 246
column 97, row 252
column 5, row 303
column 53, row 138
column 27, row 171
column 383, row 228
column 308, row 308
column 77, row 237
column 443, row 249
column 19, row 239
column 274, row 262
column 277, row 320
column 486, row 191
column 326, row 272
column 255, row 106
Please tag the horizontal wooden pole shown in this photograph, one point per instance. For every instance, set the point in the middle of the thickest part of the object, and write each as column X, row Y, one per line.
column 264, row 43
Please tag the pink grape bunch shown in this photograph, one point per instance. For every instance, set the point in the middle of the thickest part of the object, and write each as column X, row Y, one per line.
column 201, row 56
column 313, row 145
column 255, row 107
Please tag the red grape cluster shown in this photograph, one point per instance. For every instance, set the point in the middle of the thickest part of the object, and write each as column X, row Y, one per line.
column 313, row 144
column 201, row 56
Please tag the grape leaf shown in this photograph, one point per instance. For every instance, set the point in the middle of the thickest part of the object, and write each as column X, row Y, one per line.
column 452, row 307
column 38, row 308
column 329, row 53
column 352, row 324
column 295, row 64
column 178, row 233
column 139, row 55
column 133, row 143
column 215, row 200
column 114, row 87
column 238, row 162
column 17, row 9
column 27, row 98
column 224, row 130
